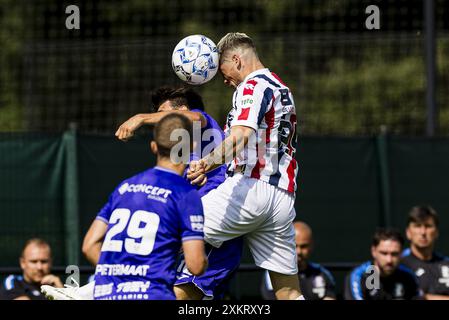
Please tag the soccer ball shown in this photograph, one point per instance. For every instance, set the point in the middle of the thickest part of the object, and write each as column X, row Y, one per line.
column 195, row 59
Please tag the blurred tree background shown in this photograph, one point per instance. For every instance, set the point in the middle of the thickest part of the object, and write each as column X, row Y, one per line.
column 346, row 80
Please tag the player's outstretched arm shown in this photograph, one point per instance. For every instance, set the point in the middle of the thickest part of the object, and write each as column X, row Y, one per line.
column 127, row 129
column 195, row 256
column 93, row 241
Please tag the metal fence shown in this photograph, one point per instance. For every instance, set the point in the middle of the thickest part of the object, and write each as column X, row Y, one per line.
column 346, row 80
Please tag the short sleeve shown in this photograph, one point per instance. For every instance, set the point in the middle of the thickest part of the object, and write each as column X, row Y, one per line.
column 251, row 103
column 105, row 213
column 192, row 218
column 353, row 286
column 9, row 290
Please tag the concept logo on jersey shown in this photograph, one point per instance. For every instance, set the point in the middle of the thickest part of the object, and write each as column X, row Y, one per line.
column 153, row 192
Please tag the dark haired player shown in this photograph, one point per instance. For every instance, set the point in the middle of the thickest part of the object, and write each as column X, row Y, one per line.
column 430, row 267
column 223, row 261
column 383, row 278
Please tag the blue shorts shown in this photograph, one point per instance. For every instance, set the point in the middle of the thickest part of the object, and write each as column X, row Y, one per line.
column 223, row 263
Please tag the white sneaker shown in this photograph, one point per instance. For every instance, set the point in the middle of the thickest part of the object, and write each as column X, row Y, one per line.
column 67, row 293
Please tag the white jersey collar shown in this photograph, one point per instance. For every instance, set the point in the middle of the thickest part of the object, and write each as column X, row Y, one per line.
column 252, row 74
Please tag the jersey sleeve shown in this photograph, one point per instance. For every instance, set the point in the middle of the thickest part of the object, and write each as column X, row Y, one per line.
column 251, row 104
column 353, row 286
column 10, row 290
column 190, row 209
column 105, row 213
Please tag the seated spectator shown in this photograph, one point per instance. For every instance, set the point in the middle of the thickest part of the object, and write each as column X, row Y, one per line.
column 383, row 278
column 430, row 267
column 316, row 282
column 35, row 263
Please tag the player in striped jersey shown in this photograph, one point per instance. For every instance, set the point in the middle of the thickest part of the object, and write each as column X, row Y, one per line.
column 257, row 199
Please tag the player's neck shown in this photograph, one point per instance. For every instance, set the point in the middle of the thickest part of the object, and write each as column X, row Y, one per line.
column 28, row 280
column 169, row 165
column 422, row 253
column 251, row 66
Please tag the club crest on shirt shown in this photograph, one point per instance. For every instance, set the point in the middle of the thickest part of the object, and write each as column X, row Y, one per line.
column 419, row 272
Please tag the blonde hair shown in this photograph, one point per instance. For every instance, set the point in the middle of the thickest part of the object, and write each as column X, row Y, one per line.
column 235, row 41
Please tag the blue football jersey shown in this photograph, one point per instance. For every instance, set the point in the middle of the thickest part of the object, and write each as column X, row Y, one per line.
column 211, row 136
column 148, row 217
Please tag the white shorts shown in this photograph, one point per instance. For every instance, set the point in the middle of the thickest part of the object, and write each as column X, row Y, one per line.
column 262, row 212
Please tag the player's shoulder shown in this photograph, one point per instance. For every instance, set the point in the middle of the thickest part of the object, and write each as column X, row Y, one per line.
column 155, row 174
column 318, row 269
column 354, row 281
column 260, row 80
column 406, row 253
column 406, row 272
column 266, row 78
column 438, row 257
column 407, row 258
column 11, row 282
column 360, row 271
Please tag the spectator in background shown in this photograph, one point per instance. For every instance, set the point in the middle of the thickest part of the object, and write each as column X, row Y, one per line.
column 431, row 268
column 384, row 278
column 35, row 263
column 316, row 282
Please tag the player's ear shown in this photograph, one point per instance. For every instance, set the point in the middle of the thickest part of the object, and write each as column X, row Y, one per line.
column 373, row 252
column 408, row 233
column 238, row 61
column 22, row 262
column 153, row 147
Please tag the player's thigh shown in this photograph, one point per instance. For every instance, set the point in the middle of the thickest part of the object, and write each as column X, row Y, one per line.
column 273, row 243
column 232, row 210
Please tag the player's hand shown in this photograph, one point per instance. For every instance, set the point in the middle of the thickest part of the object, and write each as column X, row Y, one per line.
column 127, row 129
column 52, row 280
column 200, row 180
column 197, row 173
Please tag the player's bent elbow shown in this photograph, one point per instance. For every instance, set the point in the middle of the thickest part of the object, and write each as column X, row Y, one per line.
column 198, row 267
column 86, row 248
column 195, row 256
